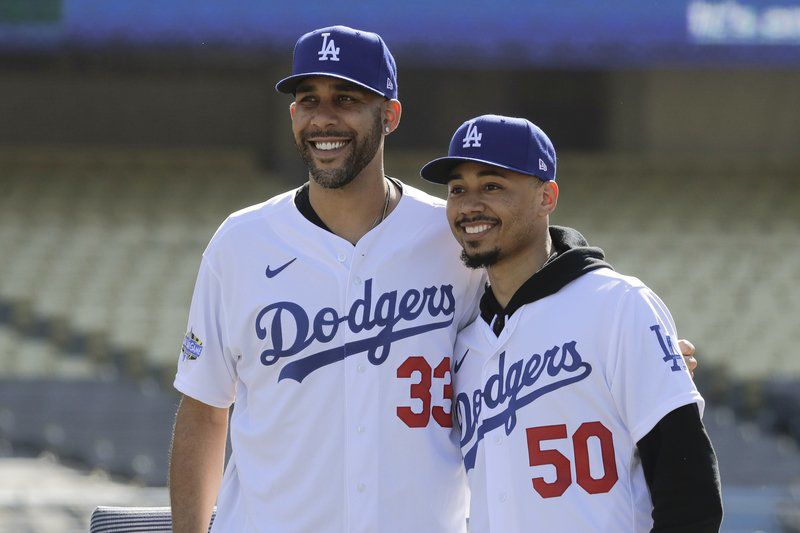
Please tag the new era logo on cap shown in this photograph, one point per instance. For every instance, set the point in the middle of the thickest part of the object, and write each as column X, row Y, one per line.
column 357, row 56
column 506, row 142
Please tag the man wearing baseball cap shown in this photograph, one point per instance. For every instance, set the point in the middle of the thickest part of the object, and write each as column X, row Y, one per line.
column 576, row 411
column 333, row 339
column 328, row 314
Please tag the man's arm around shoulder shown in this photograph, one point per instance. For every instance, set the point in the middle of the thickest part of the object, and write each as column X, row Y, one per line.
column 196, row 463
column 681, row 470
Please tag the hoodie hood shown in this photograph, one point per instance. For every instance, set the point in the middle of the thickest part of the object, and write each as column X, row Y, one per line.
column 572, row 258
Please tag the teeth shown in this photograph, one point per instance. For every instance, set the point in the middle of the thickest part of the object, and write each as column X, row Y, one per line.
column 477, row 229
column 329, row 145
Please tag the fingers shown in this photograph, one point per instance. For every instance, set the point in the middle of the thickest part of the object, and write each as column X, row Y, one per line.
column 686, row 347
column 691, row 363
column 687, row 350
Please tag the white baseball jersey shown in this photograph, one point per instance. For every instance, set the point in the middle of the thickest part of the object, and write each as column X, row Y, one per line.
column 552, row 409
column 338, row 359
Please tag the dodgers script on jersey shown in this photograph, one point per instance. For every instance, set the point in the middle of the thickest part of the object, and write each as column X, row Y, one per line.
column 338, row 359
column 551, row 410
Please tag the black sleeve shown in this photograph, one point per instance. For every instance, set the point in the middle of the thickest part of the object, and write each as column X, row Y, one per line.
column 681, row 471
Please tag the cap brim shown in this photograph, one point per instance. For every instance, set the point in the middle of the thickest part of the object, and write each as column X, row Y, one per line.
column 438, row 170
column 288, row 85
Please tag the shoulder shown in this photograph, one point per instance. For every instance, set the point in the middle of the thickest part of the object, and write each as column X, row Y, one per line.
column 422, row 223
column 614, row 293
column 424, row 215
column 628, row 297
column 609, row 281
column 252, row 219
column 423, row 202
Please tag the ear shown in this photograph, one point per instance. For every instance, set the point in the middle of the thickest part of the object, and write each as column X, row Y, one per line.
column 549, row 196
column 292, row 108
column 392, row 109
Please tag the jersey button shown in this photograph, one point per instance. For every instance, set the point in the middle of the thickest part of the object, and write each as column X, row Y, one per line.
column 361, row 487
column 358, row 281
column 360, row 368
column 503, row 496
column 360, row 429
column 341, row 258
column 498, row 440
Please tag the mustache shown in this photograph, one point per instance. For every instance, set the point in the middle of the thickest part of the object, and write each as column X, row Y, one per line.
column 479, row 218
column 328, row 134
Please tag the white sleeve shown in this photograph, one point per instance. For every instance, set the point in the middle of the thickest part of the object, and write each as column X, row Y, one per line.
column 206, row 366
column 648, row 376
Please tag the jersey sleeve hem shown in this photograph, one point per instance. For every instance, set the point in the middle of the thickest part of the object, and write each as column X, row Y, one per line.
column 188, row 389
column 645, row 426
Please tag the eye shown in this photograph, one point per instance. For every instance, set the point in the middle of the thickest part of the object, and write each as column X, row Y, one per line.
column 306, row 99
column 493, row 187
column 455, row 189
column 346, row 98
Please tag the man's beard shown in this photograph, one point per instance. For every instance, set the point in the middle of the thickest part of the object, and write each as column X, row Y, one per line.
column 485, row 259
column 360, row 155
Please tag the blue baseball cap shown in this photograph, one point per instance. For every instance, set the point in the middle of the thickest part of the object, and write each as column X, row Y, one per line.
column 507, row 142
column 360, row 57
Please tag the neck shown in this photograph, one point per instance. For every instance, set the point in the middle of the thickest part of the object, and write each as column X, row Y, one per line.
column 351, row 211
column 508, row 274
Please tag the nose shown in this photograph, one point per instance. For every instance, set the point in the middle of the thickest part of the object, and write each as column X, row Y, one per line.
column 471, row 204
column 324, row 116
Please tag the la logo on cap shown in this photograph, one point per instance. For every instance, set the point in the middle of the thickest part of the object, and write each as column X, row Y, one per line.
column 328, row 48
column 472, row 138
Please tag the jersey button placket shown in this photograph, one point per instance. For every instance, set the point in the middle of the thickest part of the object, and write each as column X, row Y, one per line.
column 493, row 455
column 360, row 385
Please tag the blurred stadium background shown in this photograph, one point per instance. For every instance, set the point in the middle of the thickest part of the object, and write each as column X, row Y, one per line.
column 130, row 129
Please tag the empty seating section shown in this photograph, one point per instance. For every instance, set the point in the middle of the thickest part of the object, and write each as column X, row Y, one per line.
column 107, row 244
column 24, row 357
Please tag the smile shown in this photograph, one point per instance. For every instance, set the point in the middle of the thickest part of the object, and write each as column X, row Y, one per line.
column 328, row 145
column 477, row 229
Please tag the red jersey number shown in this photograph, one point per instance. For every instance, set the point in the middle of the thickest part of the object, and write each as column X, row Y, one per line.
column 580, row 445
column 421, row 390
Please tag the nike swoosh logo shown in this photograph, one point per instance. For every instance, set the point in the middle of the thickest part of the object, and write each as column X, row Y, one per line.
column 272, row 273
column 459, row 363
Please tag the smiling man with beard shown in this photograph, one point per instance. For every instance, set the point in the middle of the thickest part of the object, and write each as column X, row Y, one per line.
column 328, row 314
column 576, row 411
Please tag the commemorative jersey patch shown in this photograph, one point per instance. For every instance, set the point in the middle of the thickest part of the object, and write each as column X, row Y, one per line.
column 192, row 346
